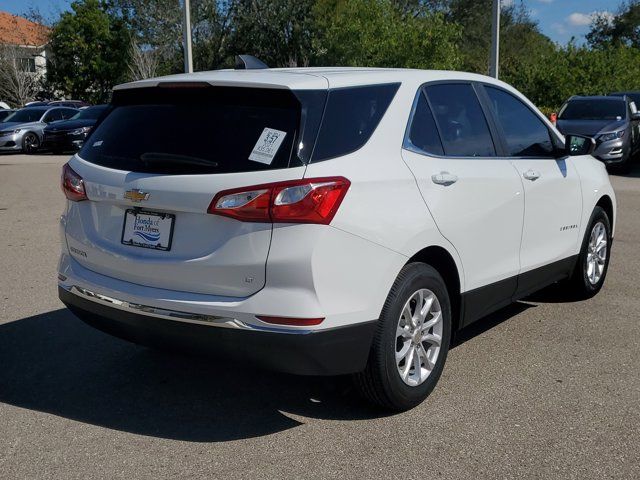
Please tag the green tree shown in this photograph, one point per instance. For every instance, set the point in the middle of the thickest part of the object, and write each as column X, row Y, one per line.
column 279, row 32
column 157, row 26
column 622, row 29
column 383, row 33
column 88, row 52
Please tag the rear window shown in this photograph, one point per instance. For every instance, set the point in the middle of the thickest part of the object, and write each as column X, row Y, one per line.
column 201, row 129
column 90, row 113
column 350, row 118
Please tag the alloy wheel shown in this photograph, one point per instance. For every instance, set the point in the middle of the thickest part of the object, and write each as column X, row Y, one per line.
column 418, row 337
column 596, row 253
column 31, row 142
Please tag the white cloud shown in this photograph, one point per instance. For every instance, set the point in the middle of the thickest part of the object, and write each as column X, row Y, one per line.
column 545, row 1
column 506, row 3
column 578, row 19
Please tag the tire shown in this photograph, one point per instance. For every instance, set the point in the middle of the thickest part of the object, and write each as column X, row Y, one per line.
column 382, row 382
column 30, row 142
column 585, row 282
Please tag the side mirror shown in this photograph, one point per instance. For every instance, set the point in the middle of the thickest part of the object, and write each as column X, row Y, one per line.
column 579, row 145
column 635, row 116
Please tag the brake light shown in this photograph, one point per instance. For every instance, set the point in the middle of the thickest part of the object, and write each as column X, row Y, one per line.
column 299, row 322
column 310, row 200
column 72, row 184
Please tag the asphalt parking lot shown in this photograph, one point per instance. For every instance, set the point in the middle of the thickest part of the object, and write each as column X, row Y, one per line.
column 542, row 389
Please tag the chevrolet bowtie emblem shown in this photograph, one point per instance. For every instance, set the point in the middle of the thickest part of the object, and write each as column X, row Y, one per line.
column 136, row 195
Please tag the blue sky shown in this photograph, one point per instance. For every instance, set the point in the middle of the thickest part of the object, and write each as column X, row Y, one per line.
column 559, row 19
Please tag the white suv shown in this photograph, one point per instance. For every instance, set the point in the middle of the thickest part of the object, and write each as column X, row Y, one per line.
column 326, row 221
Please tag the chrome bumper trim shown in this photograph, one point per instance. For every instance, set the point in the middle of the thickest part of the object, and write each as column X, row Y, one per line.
column 212, row 320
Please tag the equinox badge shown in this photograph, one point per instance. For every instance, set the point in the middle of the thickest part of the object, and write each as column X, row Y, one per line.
column 136, row 195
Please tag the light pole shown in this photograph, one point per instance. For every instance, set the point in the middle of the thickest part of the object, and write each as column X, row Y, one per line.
column 186, row 31
column 495, row 40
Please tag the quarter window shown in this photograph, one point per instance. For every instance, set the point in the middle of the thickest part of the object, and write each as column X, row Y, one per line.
column 463, row 128
column 526, row 135
column 423, row 133
column 350, row 118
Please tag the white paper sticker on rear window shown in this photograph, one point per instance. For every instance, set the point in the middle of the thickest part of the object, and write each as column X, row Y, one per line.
column 267, row 146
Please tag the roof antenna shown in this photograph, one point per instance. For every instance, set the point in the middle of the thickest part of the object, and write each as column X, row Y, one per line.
column 249, row 62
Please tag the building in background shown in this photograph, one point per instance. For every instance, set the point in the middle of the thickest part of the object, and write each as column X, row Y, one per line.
column 23, row 58
column 29, row 38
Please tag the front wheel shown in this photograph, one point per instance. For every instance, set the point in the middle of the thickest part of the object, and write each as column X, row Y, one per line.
column 411, row 342
column 30, row 142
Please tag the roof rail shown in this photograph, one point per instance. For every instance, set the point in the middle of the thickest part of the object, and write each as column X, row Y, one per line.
column 249, row 62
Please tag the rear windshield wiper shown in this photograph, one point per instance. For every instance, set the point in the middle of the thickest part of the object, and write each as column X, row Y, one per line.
column 176, row 158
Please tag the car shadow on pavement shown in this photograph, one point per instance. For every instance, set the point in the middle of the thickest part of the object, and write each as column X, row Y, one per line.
column 487, row 323
column 634, row 171
column 54, row 363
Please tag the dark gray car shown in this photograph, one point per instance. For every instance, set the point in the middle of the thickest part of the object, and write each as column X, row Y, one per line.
column 613, row 122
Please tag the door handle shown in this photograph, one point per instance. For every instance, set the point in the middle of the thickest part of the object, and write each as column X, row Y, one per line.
column 531, row 175
column 444, row 178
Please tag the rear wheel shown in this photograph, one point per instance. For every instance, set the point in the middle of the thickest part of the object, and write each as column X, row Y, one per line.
column 593, row 261
column 411, row 342
column 30, row 142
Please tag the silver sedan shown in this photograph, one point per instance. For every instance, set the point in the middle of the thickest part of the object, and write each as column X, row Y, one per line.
column 23, row 129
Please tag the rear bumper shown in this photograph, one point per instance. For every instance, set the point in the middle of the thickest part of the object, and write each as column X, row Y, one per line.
column 334, row 351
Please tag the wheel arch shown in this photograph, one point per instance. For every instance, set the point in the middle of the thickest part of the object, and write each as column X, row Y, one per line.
column 440, row 259
column 606, row 204
column 24, row 135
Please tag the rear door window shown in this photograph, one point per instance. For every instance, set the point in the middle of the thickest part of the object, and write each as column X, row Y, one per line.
column 462, row 125
column 525, row 133
column 350, row 118
column 197, row 130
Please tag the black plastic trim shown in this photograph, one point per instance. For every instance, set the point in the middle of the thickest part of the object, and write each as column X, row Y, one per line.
column 480, row 302
column 336, row 351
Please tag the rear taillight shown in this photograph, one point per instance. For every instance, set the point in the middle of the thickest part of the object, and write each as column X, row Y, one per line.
column 72, row 184
column 310, row 200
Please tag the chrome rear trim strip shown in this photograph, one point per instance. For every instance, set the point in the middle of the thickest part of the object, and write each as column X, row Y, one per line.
column 212, row 320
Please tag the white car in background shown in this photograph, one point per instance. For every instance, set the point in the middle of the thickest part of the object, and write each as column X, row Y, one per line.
column 326, row 221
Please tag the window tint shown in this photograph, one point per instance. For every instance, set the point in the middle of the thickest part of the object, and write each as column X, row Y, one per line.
column 26, row 115
column 68, row 113
column 350, row 118
column 526, row 135
column 593, row 109
column 460, row 120
column 423, row 133
column 90, row 113
column 53, row 115
column 198, row 130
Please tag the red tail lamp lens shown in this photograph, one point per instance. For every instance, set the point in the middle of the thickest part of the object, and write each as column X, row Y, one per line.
column 72, row 184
